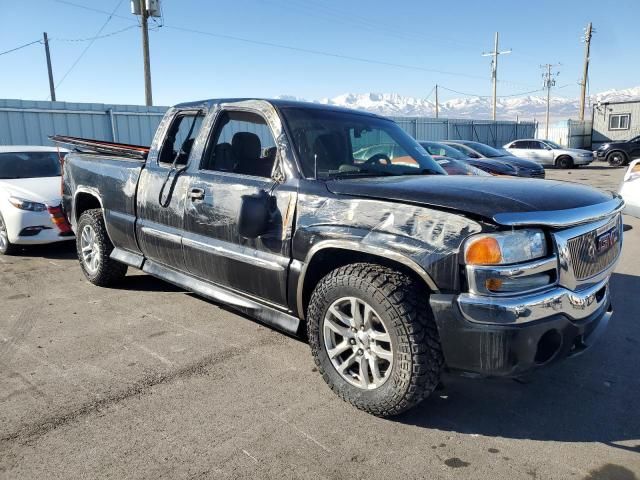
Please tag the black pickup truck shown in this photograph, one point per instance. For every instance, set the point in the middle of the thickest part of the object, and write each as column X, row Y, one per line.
column 396, row 271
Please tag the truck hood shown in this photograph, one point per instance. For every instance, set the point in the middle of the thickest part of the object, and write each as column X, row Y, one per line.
column 482, row 196
column 42, row 190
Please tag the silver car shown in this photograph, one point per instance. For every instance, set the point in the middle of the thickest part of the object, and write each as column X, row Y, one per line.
column 546, row 152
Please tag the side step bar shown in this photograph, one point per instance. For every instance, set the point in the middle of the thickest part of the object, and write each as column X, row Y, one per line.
column 271, row 316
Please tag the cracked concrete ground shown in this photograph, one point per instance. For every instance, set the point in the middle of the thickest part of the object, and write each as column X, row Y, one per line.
column 148, row 381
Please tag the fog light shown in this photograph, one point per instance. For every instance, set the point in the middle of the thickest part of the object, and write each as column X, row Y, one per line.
column 507, row 285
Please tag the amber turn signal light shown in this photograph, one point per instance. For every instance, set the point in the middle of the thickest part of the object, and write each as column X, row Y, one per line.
column 483, row 251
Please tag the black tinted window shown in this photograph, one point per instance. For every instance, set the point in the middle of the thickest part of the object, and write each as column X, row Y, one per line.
column 29, row 165
column 243, row 143
column 178, row 143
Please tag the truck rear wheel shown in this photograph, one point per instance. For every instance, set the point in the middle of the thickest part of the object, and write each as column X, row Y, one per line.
column 374, row 339
column 94, row 247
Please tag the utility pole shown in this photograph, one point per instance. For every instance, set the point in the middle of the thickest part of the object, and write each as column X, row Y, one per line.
column 437, row 100
column 52, row 89
column 146, row 9
column 494, row 70
column 548, row 82
column 585, row 74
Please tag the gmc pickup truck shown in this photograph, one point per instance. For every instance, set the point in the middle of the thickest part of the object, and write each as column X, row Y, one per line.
column 395, row 271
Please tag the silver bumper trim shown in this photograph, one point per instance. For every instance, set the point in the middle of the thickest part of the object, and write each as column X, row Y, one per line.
column 530, row 308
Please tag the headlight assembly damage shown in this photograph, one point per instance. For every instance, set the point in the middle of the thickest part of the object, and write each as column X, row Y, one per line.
column 508, row 262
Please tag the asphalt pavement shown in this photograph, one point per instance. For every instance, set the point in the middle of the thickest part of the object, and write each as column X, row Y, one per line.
column 149, row 381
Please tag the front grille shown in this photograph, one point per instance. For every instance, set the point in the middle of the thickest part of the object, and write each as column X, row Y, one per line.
column 588, row 255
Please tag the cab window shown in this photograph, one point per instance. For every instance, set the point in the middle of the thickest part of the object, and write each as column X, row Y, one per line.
column 243, row 144
column 180, row 137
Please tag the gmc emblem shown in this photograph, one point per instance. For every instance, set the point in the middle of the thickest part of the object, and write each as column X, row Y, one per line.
column 607, row 240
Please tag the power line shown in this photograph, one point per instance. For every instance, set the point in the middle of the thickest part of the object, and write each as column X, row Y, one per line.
column 490, row 96
column 321, row 52
column 21, row 46
column 90, row 42
column 98, row 37
column 91, row 9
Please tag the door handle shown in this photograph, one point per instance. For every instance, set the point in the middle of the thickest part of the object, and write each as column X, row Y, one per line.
column 196, row 194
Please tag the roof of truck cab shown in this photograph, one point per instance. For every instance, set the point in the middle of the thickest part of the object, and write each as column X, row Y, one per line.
column 277, row 102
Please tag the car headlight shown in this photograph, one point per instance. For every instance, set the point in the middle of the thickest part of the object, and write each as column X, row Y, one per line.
column 505, row 247
column 23, row 204
column 604, row 147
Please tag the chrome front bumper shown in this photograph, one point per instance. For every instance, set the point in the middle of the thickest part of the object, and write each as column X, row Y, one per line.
column 530, row 308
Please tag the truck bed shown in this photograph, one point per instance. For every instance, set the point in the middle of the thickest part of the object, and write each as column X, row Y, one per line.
column 88, row 145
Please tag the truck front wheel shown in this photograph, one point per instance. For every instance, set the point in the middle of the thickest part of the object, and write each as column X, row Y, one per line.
column 374, row 339
column 94, row 247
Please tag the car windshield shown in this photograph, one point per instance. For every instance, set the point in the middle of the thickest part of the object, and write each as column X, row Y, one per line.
column 485, row 150
column 443, row 150
column 552, row 144
column 335, row 144
column 29, row 165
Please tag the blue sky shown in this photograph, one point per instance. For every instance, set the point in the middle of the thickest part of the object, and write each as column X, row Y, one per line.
column 431, row 37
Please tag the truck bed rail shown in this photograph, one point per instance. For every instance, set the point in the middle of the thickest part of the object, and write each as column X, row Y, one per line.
column 103, row 147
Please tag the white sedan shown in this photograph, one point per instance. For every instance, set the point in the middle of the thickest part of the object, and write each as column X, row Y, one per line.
column 30, row 197
column 630, row 189
column 546, row 152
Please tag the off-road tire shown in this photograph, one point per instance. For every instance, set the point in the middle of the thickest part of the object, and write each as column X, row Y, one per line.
column 6, row 247
column 109, row 271
column 403, row 306
column 564, row 162
column 617, row 159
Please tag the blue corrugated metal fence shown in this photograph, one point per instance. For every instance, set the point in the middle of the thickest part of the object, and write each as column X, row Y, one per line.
column 28, row 122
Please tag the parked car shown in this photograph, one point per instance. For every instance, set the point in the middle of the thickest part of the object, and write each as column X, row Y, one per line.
column 630, row 189
column 397, row 270
column 494, row 167
column 480, row 151
column 457, row 167
column 549, row 153
column 30, row 197
column 619, row 153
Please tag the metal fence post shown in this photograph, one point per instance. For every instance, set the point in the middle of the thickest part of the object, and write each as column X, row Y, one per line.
column 112, row 125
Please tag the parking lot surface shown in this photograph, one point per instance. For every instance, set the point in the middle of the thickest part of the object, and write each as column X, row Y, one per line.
column 149, row 381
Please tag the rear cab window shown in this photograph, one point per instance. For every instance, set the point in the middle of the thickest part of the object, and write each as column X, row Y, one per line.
column 180, row 137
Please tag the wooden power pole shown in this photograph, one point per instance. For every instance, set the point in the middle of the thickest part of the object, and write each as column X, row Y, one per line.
column 494, row 70
column 144, row 17
column 585, row 74
column 437, row 107
column 52, row 88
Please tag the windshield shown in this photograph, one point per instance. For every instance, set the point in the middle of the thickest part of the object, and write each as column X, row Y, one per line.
column 485, row 150
column 29, row 165
column 343, row 144
column 552, row 144
column 443, row 150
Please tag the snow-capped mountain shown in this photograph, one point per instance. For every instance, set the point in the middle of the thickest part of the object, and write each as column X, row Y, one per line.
column 525, row 108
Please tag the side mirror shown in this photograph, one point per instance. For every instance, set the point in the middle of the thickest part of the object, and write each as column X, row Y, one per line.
column 253, row 218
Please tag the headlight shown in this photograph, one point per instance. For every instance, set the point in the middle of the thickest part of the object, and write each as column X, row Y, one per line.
column 604, row 147
column 505, row 247
column 23, row 204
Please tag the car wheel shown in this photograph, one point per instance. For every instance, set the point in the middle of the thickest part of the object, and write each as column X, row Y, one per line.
column 374, row 339
column 6, row 247
column 564, row 162
column 94, row 247
column 617, row 159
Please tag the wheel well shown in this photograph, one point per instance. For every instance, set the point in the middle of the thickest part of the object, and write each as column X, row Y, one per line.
column 624, row 154
column 85, row 201
column 564, row 155
column 329, row 259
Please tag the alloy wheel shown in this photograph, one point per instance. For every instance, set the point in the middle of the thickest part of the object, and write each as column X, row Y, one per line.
column 90, row 249
column 4, row 236
column 358, row 343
